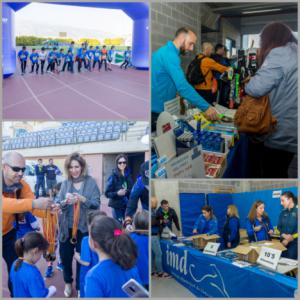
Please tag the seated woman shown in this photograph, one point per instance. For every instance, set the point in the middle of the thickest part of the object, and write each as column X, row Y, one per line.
column 206, row 223
column 231, row 232
column 258, row 225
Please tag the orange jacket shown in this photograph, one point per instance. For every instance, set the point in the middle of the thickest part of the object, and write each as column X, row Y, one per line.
column 207, row 66
column 12, row 206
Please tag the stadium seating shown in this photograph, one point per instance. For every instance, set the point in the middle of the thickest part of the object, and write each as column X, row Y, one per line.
column 68, row 133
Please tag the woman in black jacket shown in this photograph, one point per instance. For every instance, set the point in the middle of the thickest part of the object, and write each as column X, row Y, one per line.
column 118, row 188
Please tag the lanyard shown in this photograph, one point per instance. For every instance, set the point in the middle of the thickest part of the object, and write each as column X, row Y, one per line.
column 76, row 215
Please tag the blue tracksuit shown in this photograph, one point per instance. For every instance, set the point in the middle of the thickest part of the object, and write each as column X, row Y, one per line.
column 262, row 234
column 206, row 226
column 168, row 78
column 139, row 191
column 231, row 232
column 23, row 55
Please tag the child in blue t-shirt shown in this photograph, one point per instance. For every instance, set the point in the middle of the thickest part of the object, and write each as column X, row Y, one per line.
column 26, row 279
column 34, row 58
column 59, row 56
column 23, row 56
column 68, row 62
column 51, row 60
column 87, row 257
column 87, row 60
column 79, row 57
column 141, row 239
column 127, row 58
column 26, row 223
column 117, row 254
column 110, row 56
column 97, row 55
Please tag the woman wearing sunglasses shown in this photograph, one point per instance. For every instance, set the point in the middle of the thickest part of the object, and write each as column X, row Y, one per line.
column 118, row 187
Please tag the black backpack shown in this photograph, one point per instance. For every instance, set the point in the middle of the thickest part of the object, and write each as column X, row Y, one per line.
column 194, row 74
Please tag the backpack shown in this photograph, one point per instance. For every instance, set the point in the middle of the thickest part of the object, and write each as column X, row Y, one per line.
column 254, row 116
column 194, row 74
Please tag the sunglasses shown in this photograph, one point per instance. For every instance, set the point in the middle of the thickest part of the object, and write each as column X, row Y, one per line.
column 17, row 169
column 122, row 162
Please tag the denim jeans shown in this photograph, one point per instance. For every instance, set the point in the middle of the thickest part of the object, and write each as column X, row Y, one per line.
column 156, row 261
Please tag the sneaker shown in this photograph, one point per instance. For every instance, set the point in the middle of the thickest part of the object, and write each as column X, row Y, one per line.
column 68, row 290
column 49, row 272
column 60, row 266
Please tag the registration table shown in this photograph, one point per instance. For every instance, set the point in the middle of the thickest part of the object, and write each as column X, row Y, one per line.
column 212, row 276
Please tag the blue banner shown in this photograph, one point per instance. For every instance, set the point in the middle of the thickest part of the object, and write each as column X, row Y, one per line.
column 210, row 276
column 219, row 203
column 190, row 210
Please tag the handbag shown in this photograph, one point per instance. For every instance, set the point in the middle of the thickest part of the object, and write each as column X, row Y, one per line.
column 254, row 116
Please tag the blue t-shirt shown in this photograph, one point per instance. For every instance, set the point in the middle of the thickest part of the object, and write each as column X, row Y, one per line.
column 97, row 55
column 68, row 57
column 91, row 53
column 106, row 280
column 51, row 56
column 72, row 49
column 23, row 55
column 28, row 282
column 80, row 53
column 127, row 54
column 142, row 243
column 34, row 57
column 111, row 54
column 86, row 56
column 60, row 55
column 87, row 255
column 25, row 224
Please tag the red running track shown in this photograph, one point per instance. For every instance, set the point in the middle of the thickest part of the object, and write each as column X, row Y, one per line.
column 106, row 95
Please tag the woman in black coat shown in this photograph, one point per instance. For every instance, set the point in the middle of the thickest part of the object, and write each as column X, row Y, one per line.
column 118, row 187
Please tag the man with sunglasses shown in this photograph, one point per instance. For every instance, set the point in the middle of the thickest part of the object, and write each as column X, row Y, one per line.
column 17, row 197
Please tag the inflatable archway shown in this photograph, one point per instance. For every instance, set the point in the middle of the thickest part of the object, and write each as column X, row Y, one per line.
column 138, row 12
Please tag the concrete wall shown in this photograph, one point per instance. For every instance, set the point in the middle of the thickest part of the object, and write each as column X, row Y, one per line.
column 166, row 18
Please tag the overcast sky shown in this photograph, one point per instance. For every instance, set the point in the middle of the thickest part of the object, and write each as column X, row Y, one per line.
column 114, row 21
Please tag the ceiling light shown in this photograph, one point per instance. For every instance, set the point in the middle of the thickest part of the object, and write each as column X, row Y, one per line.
column 260, row 11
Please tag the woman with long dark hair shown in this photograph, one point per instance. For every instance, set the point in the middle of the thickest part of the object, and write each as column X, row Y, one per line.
column 78, row 195
column 277, row 77
column 118, row 187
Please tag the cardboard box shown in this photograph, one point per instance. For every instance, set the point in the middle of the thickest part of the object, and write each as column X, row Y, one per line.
column 201, row 240
column 250, row 252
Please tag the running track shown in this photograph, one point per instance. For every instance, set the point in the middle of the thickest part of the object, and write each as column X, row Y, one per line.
column 111, row 95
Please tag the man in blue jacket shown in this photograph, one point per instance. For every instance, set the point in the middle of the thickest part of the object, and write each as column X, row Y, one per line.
column 40, row 171
column 51, row 171
column 168, row 78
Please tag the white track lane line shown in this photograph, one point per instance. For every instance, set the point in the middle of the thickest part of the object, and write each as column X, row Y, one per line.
column 116, row 89
column 39, row 95
column 37, row 100
column 89, row 98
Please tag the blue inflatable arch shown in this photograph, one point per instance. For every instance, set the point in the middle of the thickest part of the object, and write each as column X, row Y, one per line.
column 138, row 12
